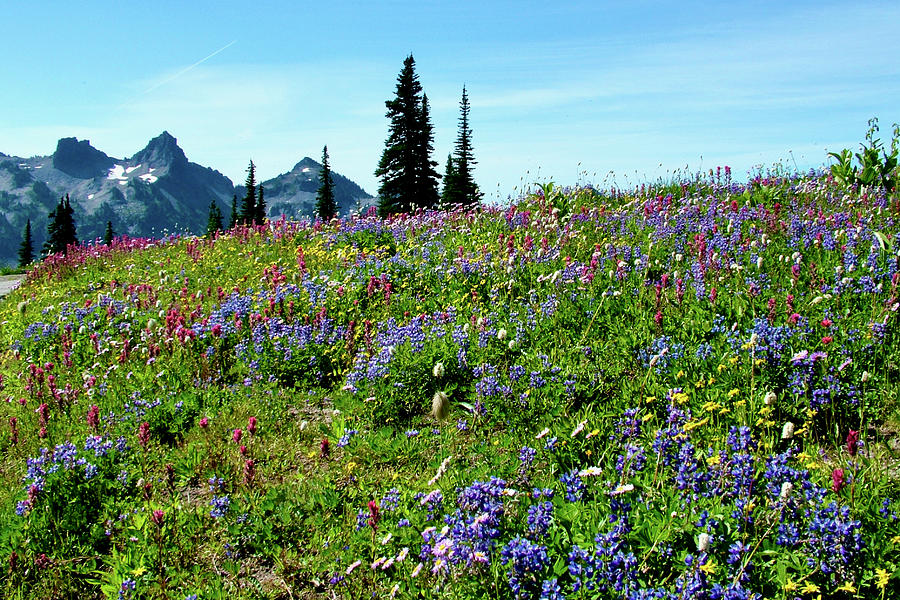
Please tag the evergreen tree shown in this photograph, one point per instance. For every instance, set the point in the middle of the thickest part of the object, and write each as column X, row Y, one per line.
column 109, row 234
column 449, row 193
column 326, row 207
column 234, row 212
column 464, row 190
column 426, row 194
column 214, row 223
column 26, row 250
column 61, row 230
column 260, row 216
column 407, row 174
column 248, row 206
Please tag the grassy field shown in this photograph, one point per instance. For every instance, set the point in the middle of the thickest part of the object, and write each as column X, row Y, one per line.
column 684, row 390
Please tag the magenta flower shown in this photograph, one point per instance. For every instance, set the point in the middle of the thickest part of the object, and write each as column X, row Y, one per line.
column 158, row 517
column 236, row 436
column 837, row 480
column 43, row 412
column 204, row 423
column 374, row 514
column 852, row 442
column 93, row 416
column 144, row 434
column 249, row 471
column 251, row 425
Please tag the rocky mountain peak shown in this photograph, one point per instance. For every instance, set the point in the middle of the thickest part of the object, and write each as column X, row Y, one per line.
column 162, row 150
column 79, row 159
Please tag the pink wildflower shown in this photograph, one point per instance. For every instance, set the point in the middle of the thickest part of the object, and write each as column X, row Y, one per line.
column 852, row 442
column 837, row 480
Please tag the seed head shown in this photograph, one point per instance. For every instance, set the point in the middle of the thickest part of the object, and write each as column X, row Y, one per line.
column 440, row 406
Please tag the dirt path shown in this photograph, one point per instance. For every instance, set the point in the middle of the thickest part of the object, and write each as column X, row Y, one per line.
column 8, row 283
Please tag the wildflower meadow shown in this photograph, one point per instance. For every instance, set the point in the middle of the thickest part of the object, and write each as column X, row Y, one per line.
column 683, row 390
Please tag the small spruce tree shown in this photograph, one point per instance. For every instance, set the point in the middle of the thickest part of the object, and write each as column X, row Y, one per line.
column 326, row 207
column 61, row 230
column 214, row 222
column 260, row 214
column 26, row 249
column 109, row 234
column 248, row 206
column 233, row 220
column 449, row 193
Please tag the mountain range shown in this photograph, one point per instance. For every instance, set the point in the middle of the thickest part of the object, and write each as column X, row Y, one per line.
column 156, row 191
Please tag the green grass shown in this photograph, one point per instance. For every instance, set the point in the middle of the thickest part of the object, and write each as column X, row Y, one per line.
column 619, row 366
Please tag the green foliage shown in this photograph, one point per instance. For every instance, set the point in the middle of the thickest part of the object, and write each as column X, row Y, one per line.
column 61, row 232
column 214, row 223
column 248, row 213
column 26, row 249
column 406, row 170
column 460, row 188
column 326, row 208
column 109, row 234
column 874, row 167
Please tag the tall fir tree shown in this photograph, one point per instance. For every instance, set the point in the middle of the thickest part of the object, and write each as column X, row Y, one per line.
column 427, row 177
column 61, row 231
column 408, row 178
column 463, row 190
column 109, row 234
column 248, row 206
column 260, row 213
column 326, row 207
column 26, row 249
column 214, row 222
column 233, row 220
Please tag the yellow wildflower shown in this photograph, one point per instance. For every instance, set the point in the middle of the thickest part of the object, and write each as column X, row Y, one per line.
column 679, row 374
column 713, row 460
column 709, row 568
column 790, row 586
column 734, row 392
column 847, row 587
column 695, row 424
column 647, row 417
column 809, row 588
column 881, row 578
column 733, row 360
column 895, row 539
column 721, row 368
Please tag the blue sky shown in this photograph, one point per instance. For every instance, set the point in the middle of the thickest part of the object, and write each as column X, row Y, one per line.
column 589, row 92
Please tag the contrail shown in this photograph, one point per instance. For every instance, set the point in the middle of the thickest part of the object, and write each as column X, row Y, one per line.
column 186, row 69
